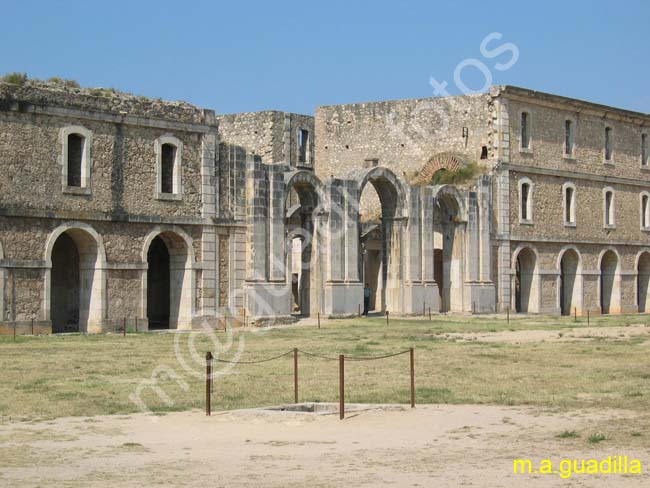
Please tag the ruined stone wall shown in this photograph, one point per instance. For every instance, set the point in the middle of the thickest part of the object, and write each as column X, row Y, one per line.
column 271, row 135
column 402, row 135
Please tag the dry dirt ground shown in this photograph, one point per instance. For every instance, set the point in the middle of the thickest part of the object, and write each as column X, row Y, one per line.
column 430, row 446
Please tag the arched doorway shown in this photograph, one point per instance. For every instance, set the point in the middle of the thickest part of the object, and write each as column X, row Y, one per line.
column 643, row 282
column 76, row 277
column 526, row 281
column 570, row 290
column 609, row 286
column 449, row 250
column 158, row 286
column 304, row 266
column 380, row 234
column 169, row 281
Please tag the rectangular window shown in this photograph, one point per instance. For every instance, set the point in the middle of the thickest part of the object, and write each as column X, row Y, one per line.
column 608, row 144
column 569, row 216
column 303, row 146
column 168, row 158
column 609, row 210
column 568, row 137
column 644, row 149
column 525, row 188
column 525, row 130
column 75, row 157
column 644, row 211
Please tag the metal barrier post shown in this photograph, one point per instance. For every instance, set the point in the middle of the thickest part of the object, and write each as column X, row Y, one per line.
column 32, row 325
column 411, row 354
column 341, row 386
column 295, row 375
column 124, row 329
column 386, row 317
column 208, row 383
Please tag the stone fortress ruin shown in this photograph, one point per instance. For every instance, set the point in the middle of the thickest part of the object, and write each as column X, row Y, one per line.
column 119, row 206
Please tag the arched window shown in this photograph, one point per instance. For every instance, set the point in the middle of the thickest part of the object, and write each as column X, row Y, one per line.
column 608, row 208
column 568, row 138
column 525, row 201
column 525, row 130
column 168, row 151
column 76, row 142
column 569, row 204
column 644, row 210
column 608, row 144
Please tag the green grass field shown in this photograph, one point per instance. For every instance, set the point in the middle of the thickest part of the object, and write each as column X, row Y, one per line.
column 55, row 376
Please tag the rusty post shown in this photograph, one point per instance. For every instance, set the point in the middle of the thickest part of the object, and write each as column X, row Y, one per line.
column 508, row 315
column 32, row 325
column 136, row 323
column 341, row 386
column 124, row 328
column 387, row 317
column 295, row 375
column 575, row 314
column 587, row 317
column 411, row 354
column 208, row 383
column 429, row 313
column 424, row 309
column 15, row 324
column 243, row 311
column 359, row 309
column 319, row 320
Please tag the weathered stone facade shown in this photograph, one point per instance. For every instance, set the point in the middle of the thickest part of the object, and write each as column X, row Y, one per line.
column 116, row 207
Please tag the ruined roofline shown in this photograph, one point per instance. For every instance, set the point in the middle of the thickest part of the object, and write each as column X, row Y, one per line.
column 567, row 103
column 38, row 93
column 260, row 112
column 399, row 100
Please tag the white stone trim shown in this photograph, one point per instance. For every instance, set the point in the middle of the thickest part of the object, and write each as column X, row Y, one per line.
column 645, row 227
column 529, row 204
column 612, row 209
column 574, row 125
column 572, row 217
column 612, row 138
column 177, row 180
column 93, row 274
column 529, row 122
column 86, row 161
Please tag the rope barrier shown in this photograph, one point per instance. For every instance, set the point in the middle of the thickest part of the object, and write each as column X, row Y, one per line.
column 315, row 355
column 254, row 362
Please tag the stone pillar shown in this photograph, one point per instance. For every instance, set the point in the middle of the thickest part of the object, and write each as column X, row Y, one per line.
column 343, row 293
column 431, row 294
column 278, row 241
column 208, row 236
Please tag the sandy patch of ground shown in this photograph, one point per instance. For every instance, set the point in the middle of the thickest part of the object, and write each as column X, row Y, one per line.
column 560, row 335
column 446, row 445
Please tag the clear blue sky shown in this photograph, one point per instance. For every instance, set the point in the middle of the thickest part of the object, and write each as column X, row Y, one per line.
column 241, row 56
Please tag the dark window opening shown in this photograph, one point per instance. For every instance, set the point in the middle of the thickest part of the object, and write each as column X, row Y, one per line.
column 609, row 214
column 644, row 149
column 568, row 205
column 75, row 157
column 168, row 158
column 525, row 190
column 608, row 143
column 568, row 137
column 484, row 152
column 525, row 130
column 644, row 211
column 303, row 145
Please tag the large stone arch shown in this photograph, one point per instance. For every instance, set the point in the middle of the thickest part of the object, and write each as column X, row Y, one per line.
column 449, row 246
column 609, row 280
column 642, row 267
column 91, row 278
column 182, row 286
column 387, row 259
column 445, row 160
column 570, row 280
column 526, row 280
column 2, row 284
column 304, row 241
